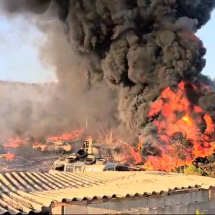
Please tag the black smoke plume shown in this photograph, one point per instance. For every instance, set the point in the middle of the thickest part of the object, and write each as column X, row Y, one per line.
column 137, row 47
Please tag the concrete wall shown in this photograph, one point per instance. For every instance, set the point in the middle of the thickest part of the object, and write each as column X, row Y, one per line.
column 176, row 203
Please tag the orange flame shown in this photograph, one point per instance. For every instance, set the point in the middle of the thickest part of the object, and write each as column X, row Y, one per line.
column 75, row 134
column 14, row 143
column 131, row 155
column 174, row 153
column 89, row 138
column 9, row 157
column 17, row 142
column 37, row 144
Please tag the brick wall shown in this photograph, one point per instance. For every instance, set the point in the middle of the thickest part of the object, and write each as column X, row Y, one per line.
column 174, row 203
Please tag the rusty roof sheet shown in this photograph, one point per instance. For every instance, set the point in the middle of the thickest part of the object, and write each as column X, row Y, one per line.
column 26, row 192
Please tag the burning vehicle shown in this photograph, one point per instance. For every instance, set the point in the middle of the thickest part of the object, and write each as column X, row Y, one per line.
column 89, row 159
column 53, row 146
column 60, row 144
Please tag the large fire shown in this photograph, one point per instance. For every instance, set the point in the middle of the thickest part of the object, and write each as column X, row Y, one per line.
column 180, row 136
column 184, row 132
column 17, row 142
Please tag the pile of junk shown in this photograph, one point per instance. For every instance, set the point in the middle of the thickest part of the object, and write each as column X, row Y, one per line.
column 90, row 158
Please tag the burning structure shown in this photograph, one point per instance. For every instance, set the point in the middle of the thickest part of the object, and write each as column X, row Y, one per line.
column 147, row 52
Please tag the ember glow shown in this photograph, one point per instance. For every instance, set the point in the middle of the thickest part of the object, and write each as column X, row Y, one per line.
column 9, row 157
column 184, row 131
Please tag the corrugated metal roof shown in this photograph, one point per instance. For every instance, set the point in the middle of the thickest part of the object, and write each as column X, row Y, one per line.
column 132, row 184
column 26, row 192
column 16, row 188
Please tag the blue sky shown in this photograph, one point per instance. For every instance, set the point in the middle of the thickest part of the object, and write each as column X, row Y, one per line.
column 19, row 60
column 19, row 44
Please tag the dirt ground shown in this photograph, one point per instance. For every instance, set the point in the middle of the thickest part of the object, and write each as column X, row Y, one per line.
column 30, row 161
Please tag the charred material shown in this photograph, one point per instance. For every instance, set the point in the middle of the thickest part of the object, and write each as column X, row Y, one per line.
column 206, row 165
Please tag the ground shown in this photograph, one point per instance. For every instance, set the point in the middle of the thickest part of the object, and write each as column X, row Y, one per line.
column 30, row 162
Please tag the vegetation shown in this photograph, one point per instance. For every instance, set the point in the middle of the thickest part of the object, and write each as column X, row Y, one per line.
column 182, row 149
column 199, row 212
column 192, row 170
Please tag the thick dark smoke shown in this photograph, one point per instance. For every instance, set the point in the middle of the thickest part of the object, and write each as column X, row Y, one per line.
column 138, row 47
column 52, row 109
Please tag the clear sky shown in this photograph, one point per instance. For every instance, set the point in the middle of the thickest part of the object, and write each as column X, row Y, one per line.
column 19, row 59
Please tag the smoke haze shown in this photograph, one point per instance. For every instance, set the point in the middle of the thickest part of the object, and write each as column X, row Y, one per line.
column 118, row 55
column 51, row 109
